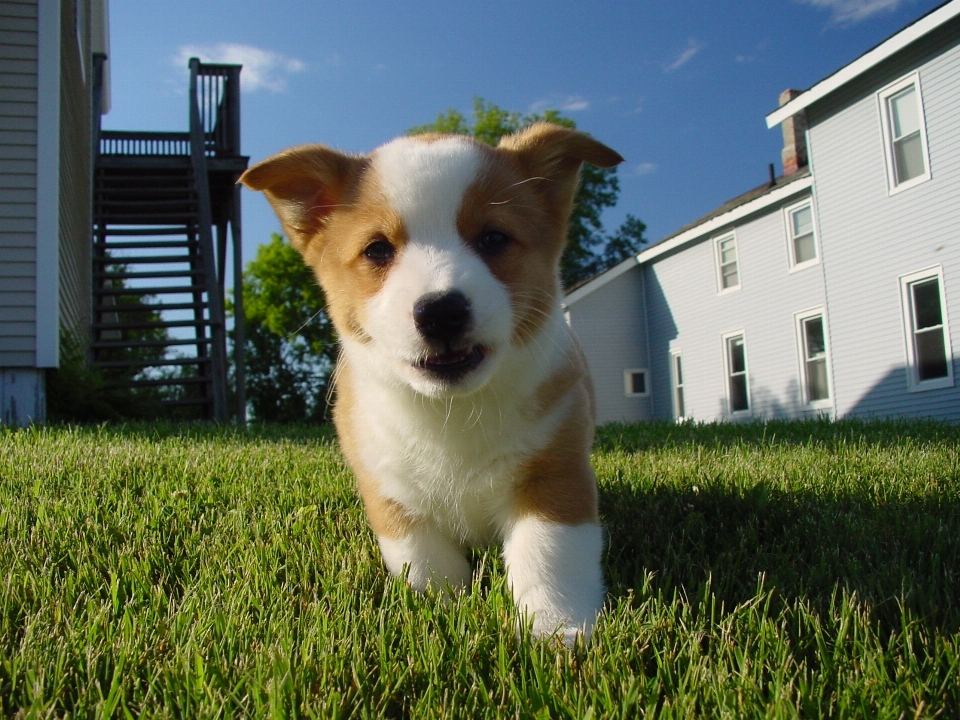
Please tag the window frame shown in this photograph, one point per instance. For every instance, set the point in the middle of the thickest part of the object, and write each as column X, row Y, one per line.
column 883, row 106
column 628, row 385
column 732, row 235
column 799, row 318
column 914, row 384
column 676, row 354
column 788, row 212
column 727, row 373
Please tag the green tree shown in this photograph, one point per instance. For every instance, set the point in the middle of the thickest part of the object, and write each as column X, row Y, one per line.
column 290, row 345
column 590, row 250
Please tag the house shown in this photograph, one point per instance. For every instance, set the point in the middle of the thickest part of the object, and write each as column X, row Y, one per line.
column 828, row 291
column 46, row 114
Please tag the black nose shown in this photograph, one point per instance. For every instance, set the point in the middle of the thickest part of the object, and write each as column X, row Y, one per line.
column 442, row 316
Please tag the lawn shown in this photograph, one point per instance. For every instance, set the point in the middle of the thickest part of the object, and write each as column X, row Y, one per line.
column 780, row 570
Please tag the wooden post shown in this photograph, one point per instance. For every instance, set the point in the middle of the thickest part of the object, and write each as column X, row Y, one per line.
column 198, row 157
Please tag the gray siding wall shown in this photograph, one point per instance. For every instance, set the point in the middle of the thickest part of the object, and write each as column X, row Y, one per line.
column 18, row 172
column 75, row 176
column 686, row 312
column 871, row 238
column 610, row 326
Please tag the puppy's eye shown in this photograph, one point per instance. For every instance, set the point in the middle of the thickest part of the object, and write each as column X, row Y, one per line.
column 493, row 242
column 380, row 251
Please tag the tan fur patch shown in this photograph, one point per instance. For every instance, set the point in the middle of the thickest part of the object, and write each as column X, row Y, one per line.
column 558, row 484
column 386, row 518
column 505, row 199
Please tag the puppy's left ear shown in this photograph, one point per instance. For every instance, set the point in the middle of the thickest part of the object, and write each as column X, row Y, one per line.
column 555, row 153
column 306, row 185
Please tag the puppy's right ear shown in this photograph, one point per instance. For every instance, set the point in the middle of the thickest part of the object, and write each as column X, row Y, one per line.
column 305, row 185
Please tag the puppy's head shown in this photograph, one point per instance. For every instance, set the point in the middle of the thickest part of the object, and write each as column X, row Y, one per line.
column 437, row 253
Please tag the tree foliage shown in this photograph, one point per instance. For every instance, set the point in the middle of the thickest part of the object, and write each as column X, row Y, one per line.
column 590, row 250
column 290, row 346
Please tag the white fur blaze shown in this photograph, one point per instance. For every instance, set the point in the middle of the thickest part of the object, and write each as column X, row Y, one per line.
column 430, row 559
column 555, row 575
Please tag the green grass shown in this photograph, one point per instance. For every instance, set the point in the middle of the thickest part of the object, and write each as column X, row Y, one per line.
column 780, row 570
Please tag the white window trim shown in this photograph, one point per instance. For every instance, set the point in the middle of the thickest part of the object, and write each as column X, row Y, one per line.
column 721, row 290
column 906, row 307
column 628, row 386
column 788, row 211
column 674, row 354
column 725, row 338
column 798, row 318
column 882, row 96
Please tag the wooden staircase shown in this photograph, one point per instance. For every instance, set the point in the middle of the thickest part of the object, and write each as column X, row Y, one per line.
column 159, row 324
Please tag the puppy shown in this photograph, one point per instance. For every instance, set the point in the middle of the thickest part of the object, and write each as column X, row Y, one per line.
column 463, row 403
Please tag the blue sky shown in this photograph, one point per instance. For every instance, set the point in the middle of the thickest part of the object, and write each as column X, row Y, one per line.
column 679, row 88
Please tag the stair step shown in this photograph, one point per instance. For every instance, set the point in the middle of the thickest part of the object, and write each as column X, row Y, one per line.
column 171, row 290
column 127, row 190
column 169, row 342
column 106, row 326
column 117, row 205
column 127, row 232
column 162, row 362
column 146, row 259
column 160, row 382
column 150, row 308
column 147, row 275
column 185, row 218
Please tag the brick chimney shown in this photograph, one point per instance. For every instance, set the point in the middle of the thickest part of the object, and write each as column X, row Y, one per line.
column 794, row 153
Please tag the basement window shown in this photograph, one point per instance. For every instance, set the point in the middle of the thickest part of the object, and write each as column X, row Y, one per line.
column 635, row 383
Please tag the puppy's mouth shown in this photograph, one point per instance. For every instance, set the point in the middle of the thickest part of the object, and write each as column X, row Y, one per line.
column 452, row 365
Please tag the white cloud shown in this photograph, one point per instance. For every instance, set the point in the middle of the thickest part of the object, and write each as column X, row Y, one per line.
column 644, row 168
column 261, row 68
column 693, row 47
column 564, row 103
column 848, row 12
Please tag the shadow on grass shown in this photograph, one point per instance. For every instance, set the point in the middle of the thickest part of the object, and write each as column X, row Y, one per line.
column 897, row 552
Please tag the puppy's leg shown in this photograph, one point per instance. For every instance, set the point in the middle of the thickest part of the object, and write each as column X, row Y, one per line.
column 554, row 570
column 430, row 558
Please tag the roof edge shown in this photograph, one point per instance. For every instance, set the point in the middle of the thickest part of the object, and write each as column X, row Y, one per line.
column 719, row 221
column 599, row 281
column 707, row 227
column 871, row 58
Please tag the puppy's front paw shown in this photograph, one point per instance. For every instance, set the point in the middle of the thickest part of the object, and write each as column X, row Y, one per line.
column 555, row 574
column 427, row 558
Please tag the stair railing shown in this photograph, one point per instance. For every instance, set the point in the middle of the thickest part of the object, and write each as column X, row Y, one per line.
column 199, row 150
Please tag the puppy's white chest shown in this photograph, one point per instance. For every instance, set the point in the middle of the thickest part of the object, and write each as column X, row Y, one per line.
column 456, row 462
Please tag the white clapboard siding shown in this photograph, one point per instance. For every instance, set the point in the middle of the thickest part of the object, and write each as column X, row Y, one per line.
column 610, row 326
column 872, row 237
column 686, row 312
column 18, row 168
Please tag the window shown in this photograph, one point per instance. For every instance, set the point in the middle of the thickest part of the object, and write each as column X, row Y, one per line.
column 727, row 266
column 802, row 241
column 905, row 135
column 676, row 372
column 929, row 354
column 635, row 383
column 814, row 359
column 738, row 391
